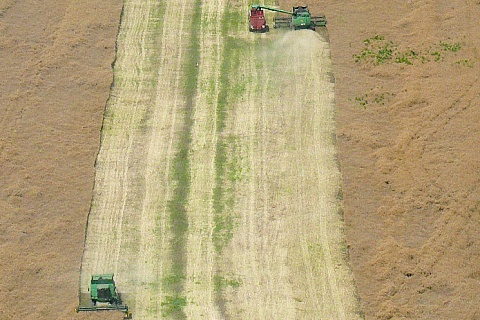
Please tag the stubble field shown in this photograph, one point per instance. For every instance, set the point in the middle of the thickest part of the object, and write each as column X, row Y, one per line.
column 216, row 191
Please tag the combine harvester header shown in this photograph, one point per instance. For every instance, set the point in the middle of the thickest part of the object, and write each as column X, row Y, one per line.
column 300, row 19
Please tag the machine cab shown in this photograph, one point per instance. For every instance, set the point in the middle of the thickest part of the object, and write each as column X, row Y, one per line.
column 102, row 288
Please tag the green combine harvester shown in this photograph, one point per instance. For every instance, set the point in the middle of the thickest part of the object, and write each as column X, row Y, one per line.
column 103, row 296
column 300, row 18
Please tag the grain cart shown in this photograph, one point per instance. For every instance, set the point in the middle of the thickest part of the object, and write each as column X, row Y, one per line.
column 256, row 16
column 300, row 18
column 103, row 296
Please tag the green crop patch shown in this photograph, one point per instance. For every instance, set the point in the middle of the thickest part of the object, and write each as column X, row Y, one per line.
column 222, row 282
column 173, row 306
column 376, row 96
column 378, row 50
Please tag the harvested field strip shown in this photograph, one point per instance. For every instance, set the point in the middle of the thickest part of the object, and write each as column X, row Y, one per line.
column 118, row 190
column 129, row 231
column 216, row 179
column 279, row 184
column 156, row 232
column 201, row 254
column 181, row 175
column 230, row 90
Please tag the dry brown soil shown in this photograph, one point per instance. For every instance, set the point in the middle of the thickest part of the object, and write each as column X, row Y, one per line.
column 409, row 163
